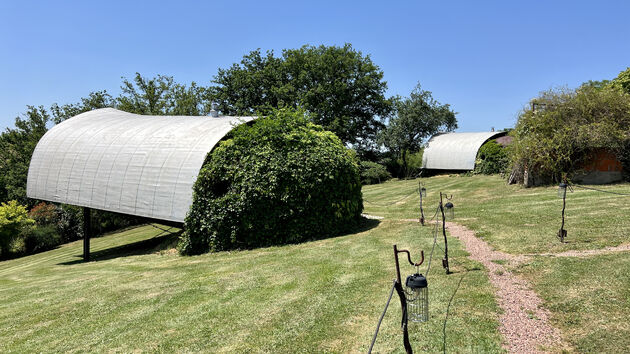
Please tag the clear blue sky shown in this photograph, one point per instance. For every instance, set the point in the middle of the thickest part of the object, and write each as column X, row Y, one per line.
column 487, row 59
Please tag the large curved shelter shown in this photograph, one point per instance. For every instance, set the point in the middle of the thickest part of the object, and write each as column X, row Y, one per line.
column 454, row 151
column 127, row 163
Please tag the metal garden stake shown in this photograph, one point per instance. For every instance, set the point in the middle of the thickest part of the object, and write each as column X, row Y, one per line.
column 423, row 193
column 451, row 214
column 414, row 299
column 562, row 193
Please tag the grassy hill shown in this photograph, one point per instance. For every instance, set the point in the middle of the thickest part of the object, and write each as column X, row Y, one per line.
column 589, row 297
column 139, row 295
column 317, row 296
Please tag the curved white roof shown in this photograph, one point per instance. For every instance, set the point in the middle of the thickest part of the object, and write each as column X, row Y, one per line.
column 117, row 161
column 454, row 151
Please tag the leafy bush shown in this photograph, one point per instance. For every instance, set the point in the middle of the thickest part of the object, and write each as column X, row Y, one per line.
column 69, row 223
column 13, row 218
column 491, row 158
column 372, row 172
column 106, row 221
column 43, row 213
column 566, row 126
column 40, row 238
column 279, row 180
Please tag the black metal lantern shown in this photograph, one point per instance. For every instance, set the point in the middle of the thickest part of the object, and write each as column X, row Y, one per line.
column 562, row 190
column 449, row 210
column 423, row 191
column 417, row 296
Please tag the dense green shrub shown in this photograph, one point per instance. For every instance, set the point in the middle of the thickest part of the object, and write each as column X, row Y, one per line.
column 491, row 159
column 69, row 222
column 372, row 172
column 559, row 135
column 40, row 238
column 43, row 213
column 13, row 219
column 278, row 180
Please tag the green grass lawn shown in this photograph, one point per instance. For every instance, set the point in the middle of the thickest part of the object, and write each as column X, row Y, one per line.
column 321, row 296
column 326, row 295
column 512, row 218
column 589, row 297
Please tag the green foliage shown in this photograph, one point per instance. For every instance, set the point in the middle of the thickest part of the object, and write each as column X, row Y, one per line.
column 43, row 213
column 342, row 89
column 161, row 95
column 411, row 165
column 280, row 180
column 16, row 148
column 491, row 158
column 566, row 126
column 372, row 172
column 417, row 117
column 622, row 81
column 40, row 238
column 69, row 222
column 13, row 218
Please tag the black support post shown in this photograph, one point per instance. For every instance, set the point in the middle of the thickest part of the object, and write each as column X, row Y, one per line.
column 87, row 232
column 445, row 259
column 421, row 210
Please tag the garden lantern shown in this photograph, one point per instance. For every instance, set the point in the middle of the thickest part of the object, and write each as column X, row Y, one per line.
column 417, row 296
column 449, row 210
column 414, row 296
column 423, row 192
column 562, row 190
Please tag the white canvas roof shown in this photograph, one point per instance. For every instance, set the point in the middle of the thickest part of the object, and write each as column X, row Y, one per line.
column 117, row 161
column 454, row 151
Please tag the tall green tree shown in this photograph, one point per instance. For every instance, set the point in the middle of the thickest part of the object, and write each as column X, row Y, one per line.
column 622, row 81
column 340, row 88
column 16, row 148
column 161, row 95
column 416, row 118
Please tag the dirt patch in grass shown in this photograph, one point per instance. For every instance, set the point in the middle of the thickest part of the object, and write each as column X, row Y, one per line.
column 524, row 322
column 588, row 253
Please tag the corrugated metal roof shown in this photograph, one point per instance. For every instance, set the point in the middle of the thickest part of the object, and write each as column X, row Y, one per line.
column 454, row 151
column 117, row 161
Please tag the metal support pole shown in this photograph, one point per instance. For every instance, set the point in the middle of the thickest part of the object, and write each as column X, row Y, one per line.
column 401, row 295
column 562, row 233
column 445, row 259
column 403, row 304
column 87, row 232
column 421, row 210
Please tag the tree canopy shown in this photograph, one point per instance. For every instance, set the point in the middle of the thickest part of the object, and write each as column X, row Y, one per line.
column 416, row 118
column 340, row 88
column 161, row 95
column 622, row 81
column 558, row 134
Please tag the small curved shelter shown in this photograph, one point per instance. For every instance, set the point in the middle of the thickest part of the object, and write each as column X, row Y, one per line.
column 455, row 151
column 127, row 163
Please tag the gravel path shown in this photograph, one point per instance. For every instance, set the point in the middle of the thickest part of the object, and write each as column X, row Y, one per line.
column 524, row 322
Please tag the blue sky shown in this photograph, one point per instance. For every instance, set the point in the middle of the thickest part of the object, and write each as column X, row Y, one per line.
column 485, row 58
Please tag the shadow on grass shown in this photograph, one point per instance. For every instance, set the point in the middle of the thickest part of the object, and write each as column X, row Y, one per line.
column 159, row 242
column 364, row 225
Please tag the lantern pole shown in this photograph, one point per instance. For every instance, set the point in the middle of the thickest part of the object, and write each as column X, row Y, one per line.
column 421, row 210
column 562, row 233
column 401, row 295
column 445, row 259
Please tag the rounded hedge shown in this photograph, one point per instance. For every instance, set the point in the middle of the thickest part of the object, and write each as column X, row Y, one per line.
column 280, row 179
column 492, row 158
